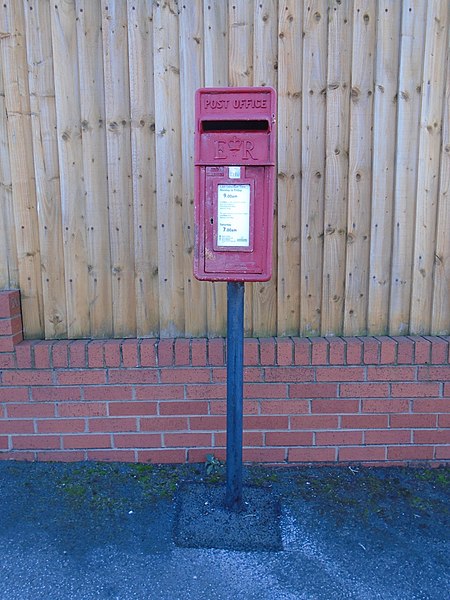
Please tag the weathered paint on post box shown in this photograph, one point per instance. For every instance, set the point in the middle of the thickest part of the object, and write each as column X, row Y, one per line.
column 235, row 151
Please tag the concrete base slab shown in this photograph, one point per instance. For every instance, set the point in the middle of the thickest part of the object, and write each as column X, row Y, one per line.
column 202, row 521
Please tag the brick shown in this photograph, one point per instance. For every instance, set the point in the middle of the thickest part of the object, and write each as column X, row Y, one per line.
column 334, row 406
column 265, row 422
column 130, row 357
column 16, row 426
column 199, row 455
column 16, row 454
column 410, row 453
column 431, row 405
column 7, row 343
column 354, row 348
column 340, row 374
column 219, row 407
column 388, row 437
column 219, row 374
column 447, row 389
column 364, row 390
column 60, row 355
column 56, row 394
column 422, row 350
column 265, row 390
column 289, row 438
column 183, row 408
column 367, row 421
column 11, row 325
column 4, row 445
column 187, row 440
column 85, row 441
column 23, row 355
column 23, row 377
column 207, row 423
column 159, row 392
column 285, row 352
column 172, row 456
column 251, row 352
column 336, row 350
column 60, row 456
column 95, row 354
column 148, row 353
column 250, row 439
column 107, row 392
column 439, row 350
column 371, row 350
column 312, row 390
column 289, row 374
column 267, row 351
column 385, row 405
column 123, row 409
column 111, row 455
column 9, row 303
column 111, row 424
column 391, row 373
column 216, row 352
column 165, row 352
column 208, row 391
column 7, row 360
column 182, row 352
column 302, row 351
column 388, row 350
column 408, row 421
column 443, row 420
column 266, row 455
column 314, row 422
column 42, row 351
column 28, row 442
column 429, row 436
column 112, row 353
column 131, row 376
column 29, row 411
column 13, row 394
column 433, row 373
column 190, row 375
column 198, row 352
column 319, row 351
column 308, row 455
column 81, row 377
column 164, row 424
column 82, row 409
column 405, row 350
column 78, row 354
column 362, row 453
column 61, row 426
column 415, row 390
column 284, row 407
column 338, row 438
column 442, row 453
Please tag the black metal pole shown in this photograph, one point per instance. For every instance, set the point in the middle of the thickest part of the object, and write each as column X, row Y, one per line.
column 235, row 377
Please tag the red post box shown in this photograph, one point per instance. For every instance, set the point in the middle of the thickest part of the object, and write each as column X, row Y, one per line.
column 234, row 183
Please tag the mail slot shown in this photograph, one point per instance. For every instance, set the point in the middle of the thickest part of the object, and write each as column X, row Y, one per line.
column 234, row 183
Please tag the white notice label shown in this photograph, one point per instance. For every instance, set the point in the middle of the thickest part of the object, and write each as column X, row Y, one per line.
column 233, row 215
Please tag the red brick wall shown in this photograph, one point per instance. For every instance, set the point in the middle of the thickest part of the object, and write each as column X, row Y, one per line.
column 338, row 400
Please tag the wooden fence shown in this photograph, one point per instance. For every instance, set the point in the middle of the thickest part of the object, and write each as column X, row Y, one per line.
column 96, row 163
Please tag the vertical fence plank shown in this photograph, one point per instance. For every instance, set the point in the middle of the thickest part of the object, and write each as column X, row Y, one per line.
column 412, row 41
column 191, row 72
column 71, row 167
column 240, row 73
column 118, row 142
column 215, row 19
column 45, row 150
column 9, row 275
column 289, row 151
column 313, row 163
column 265, row 65
column 428, row 171
column 336, row 166
column 384, row 146
column 142, row 98
column 92, row 107
column 17, row 103
column 360, row 164
column 168, row 174
column 440, row 323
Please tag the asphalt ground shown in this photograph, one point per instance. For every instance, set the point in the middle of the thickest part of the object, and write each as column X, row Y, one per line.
column 114, row 531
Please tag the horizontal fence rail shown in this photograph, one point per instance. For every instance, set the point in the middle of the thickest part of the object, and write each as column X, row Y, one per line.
column 96, row 163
